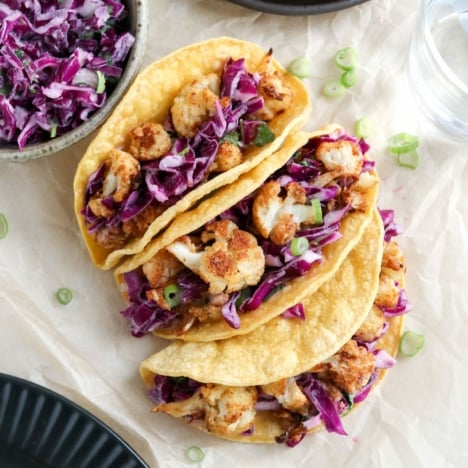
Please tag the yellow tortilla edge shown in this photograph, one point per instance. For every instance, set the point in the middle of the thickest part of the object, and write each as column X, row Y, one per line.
column 159, row 83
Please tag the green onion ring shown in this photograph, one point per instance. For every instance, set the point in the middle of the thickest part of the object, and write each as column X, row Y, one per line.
column 349, row 78
column 300, row 67
column 101, row 84
column 410, row 159
column 64, row 295
column 410, row 343
column 3, row 226
column 299, row 245
column 172, row 295
column 195, row 454
column 333, row 89
column 346, row 58
column 403, row 143
column 364, row 127
column 318, row 214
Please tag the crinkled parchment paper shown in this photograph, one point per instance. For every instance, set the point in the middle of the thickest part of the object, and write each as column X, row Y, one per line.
column 83, row 350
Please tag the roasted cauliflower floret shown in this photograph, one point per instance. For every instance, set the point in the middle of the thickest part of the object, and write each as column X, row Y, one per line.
column 225, row 410
column 393, row 258
column 161, row 268
column 229, row 155
column 372, row 326
column 342, row 158
column 195, row 104
column 388, row 293
column 288, row 394
column 192, row 406
column 277, row 96
column 122, row 175
column 279, row 218
column 149, row 141
column 351, row 367
column 232, row 261
column 358, row 194
column 228, row 410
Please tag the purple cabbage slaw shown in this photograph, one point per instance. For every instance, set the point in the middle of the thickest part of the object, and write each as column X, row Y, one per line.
column 167, row 179
column 281, row 265
column 324, row 410
column 53, row 54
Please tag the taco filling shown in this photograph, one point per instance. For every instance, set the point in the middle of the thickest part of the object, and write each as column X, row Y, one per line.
column 210, row 124
column 252, row 250
column 285, row 410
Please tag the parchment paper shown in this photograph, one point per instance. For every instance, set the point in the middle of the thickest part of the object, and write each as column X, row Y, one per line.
column 83, row 350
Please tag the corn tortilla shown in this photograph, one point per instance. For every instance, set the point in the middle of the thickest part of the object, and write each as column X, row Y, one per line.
column 150, row 98
column 352, row 229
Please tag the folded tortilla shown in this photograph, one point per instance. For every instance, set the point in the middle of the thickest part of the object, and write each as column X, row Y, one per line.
column 149, row 99
column 354, row 216
column 330, row 360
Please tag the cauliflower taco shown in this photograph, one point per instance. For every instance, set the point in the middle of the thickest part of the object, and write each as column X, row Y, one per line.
column 293, row 376
column 257, row 247
column 191, row 122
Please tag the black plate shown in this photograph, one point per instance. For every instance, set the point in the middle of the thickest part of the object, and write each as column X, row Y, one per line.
column 298, row 7
column 40, row 428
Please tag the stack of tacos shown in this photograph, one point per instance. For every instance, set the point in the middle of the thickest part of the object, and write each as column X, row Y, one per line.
column 255, row 247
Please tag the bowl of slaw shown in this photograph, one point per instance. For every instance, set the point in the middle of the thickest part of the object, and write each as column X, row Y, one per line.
column 64, row 65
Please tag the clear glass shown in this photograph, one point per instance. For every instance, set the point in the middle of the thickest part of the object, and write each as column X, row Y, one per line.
column 438, row 64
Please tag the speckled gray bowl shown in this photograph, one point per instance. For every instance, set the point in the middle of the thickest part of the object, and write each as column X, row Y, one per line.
column 138, row 18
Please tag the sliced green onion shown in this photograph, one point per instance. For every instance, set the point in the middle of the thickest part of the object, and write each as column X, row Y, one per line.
column 318, row 214
column 402, row 143
column 364, row 127
column 299, row 245
column 349, row 78
column 172, row 295
column 333, row 89
column 101, row 84
column 53, row 129
column 195, row 454
column 3, row 226
column 346, row 58
column 410, row 343
column 410, row 160
column 300, row 67
column 64, row 296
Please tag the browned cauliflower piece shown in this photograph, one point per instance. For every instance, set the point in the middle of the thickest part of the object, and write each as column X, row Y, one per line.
column 393, row 258
column 288, row 394
column 277, row 96
column 372, row 326
column 161, row 268
column 122, row 175
column 149, row 141
column 228, row 410
column 388, row 292
column 342, row 158
column 225, row 410
column 358, row 194
column 194, row 104
column 279, row 218
column 351, row 367
column 229, row 155
column 234, row 260
column 192, row 406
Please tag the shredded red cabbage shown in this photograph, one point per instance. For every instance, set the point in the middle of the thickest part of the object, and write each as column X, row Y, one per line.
column 169, row 389
column 51, row 55
column 186, row 165
column 145, row 315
